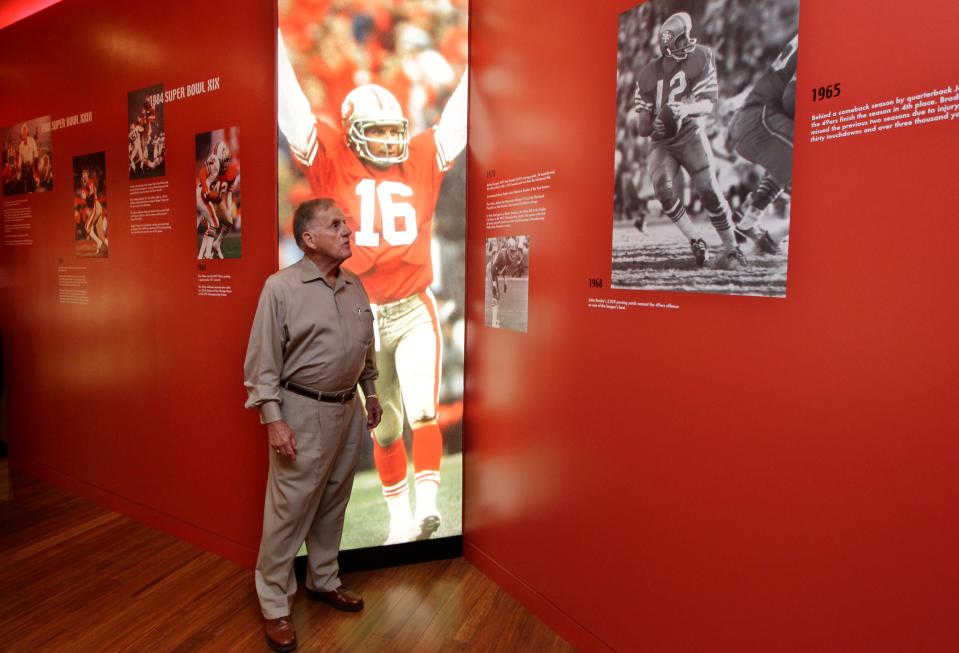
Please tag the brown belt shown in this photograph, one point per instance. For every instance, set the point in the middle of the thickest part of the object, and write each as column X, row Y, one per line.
column 330, row 397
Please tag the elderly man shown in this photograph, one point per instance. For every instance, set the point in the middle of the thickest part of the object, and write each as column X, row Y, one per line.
column 311, row 344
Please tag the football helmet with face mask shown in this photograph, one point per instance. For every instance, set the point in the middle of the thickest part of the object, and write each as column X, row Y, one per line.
column 372, row 108
column 674, row 39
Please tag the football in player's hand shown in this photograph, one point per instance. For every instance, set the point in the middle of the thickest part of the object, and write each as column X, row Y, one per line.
column 671, row 116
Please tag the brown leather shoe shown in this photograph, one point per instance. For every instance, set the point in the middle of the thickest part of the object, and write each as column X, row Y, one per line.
column 280, row 634
column 340, row 598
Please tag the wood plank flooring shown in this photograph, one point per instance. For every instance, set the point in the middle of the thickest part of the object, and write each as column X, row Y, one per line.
column 76, row 577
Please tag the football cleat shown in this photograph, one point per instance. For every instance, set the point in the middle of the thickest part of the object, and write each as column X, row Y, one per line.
column 397, row 537
column 640, row 223
column 733, row 259
column 764, row 242
column 698, row 246
column 767, row 245
column 429, row 525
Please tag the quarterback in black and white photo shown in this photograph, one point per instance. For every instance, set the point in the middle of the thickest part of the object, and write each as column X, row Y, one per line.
column 703, row 161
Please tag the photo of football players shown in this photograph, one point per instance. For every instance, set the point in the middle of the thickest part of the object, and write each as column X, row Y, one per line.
column 507, row 283
column 90, row 205
column 217, row 191
column 372, row 113
column 27, row 157
column 762, row 132
column 146, row 136
column 695, row 131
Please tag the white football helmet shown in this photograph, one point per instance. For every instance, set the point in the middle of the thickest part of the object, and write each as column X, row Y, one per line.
column 222, row 154
column 674, row 39
column 369, row 106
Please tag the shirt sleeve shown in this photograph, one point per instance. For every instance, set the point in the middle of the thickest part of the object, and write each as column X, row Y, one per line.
column 369, row 373
column 451, row 130
column 294, row 115
column 264, row 356
column 644, row 100
column 707, row 86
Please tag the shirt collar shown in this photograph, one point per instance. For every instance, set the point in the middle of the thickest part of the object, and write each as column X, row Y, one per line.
column 309, row 272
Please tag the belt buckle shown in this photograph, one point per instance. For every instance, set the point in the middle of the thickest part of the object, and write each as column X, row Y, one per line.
column 345, row 397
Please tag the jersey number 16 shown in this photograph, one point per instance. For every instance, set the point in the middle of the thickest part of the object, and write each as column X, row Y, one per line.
column 383, row 194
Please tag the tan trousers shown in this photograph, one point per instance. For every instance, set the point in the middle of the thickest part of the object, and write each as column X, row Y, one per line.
column 306, row 499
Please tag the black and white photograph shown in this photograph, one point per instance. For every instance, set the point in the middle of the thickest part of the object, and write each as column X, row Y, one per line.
column 90, row 205
column 27, row 165
column 507, row 283
column 217, row 190
column 146, row 138
column 705, row 100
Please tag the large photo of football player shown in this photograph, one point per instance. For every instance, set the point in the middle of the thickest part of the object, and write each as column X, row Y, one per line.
column 146, row 138
column 90, row 205
column 217, row 191
column 27, row 157
column 703, row 160
column 507, row 283
column 372, row 113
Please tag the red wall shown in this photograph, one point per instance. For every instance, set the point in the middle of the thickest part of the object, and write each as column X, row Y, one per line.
column 137, row 398
column 741, row 474
column 13, row 10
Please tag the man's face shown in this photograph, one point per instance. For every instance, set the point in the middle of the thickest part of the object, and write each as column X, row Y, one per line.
column 328, row 236
column 391, row 134
column 24, row 132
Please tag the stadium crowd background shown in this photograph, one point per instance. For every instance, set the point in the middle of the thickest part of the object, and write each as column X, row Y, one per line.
column 745, row 37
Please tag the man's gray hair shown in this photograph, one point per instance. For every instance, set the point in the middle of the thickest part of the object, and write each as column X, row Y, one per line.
column 308, row 211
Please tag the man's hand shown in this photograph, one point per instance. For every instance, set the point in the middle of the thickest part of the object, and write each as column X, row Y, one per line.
column 374, row 412
column 659, row 129
column 282, row 439
column 678, row 110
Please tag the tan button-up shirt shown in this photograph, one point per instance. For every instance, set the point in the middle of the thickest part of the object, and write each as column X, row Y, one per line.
column 311, row 334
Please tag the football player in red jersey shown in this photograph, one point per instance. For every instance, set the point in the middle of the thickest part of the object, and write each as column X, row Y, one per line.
column 762, row 132
column 93, row 223
column 214, row 199
column 135, row 148
column 387, row 182
column 673, row 93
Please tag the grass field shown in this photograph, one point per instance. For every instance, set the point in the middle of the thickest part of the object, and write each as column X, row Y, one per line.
column 231, row 245
column 367, row 519
column 660, row 259
column 513, row 305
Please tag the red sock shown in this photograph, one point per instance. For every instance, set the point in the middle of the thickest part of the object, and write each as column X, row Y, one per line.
column 427, row 448
column 390, row 462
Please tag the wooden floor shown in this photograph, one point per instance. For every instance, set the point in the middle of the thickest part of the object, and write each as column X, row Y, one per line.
column 75, row 577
